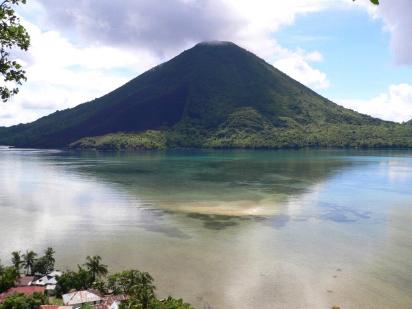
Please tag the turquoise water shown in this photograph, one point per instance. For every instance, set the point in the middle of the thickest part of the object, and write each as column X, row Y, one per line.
column 235, row 229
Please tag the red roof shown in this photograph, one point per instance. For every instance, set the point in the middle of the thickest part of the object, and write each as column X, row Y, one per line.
column 49, row 307
column 24, row 280
column 26, row 290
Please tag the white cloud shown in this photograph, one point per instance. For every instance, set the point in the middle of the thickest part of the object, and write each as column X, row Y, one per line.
column 397, row 18
column 394, row 105
column 296, row 65
column 397, row 15
column 62, row 75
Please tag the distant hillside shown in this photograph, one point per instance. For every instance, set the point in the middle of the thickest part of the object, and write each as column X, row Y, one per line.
column 212, row 95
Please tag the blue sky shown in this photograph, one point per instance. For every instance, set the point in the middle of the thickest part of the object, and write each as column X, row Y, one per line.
column 356, row 54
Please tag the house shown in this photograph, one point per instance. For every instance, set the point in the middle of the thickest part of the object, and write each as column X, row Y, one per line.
column 46, row 280
column 24, row 280
column 79, row 298
column 112, row 301
column 49, row 281
column 26, row 290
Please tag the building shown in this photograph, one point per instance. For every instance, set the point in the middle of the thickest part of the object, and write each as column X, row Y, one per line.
column 24, row 280
column 46, row 280
column 79, row 298
column 49, row 281
column 26, row 290
column 112, row 301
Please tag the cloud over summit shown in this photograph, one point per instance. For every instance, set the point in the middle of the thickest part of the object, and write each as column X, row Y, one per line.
column 156, row 24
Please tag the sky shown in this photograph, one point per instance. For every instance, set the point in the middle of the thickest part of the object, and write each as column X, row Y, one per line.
column 354, row 53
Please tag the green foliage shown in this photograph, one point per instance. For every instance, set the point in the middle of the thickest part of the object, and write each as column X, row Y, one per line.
column 95, row 268
column 72, row 280
column 101, row 286
column 12, row 35
column 8, row 277
column 141, row 290
column 21, row 301
column 138, row 286
column 84, row 278
column 16, row 259
column 29, row 260
column 45, row 264
column 146, row 299
column 141, row 297
column 122, row 141
column 126, row 281
column 171, row 303
column 255, row 133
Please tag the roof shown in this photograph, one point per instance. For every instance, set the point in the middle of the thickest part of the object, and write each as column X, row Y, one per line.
column 26, row 290
column 108, row 300
column 80, row 297
column 55, row 273
column 50, row 287
column 24, row 280
column 45, row 280
column 55, row 307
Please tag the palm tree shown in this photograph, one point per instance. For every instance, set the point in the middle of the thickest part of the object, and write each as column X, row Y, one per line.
column 29, row 259
column 16, row 259
column 95, row 268
column 49, row 258
column 141, row 297
column 146, row 280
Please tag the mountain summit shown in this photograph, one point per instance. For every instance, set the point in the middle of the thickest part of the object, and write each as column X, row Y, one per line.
column 213, row 94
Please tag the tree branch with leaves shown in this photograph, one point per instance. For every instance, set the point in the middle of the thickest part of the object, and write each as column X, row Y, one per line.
column 13, row 36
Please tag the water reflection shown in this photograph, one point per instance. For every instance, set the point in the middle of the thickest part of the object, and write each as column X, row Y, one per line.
column 223, row 229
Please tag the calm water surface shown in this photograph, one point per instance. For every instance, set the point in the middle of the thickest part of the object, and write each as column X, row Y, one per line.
column 238, row 229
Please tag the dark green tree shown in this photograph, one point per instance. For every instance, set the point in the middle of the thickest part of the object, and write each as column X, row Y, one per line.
column 12, row 35
column 29, row 260
column 45, row 264
column 140, row 297
column 101, row 286
column 171, row 303
column 49, row 257
column 138, row 285
column 125, row 281
column 21, row 301
column 95, row 267
column 16, row 259
column 8, row 277
column 80, row 280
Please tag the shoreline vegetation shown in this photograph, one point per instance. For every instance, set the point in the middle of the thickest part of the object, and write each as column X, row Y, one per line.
column 134, row 288
column 393, row 136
